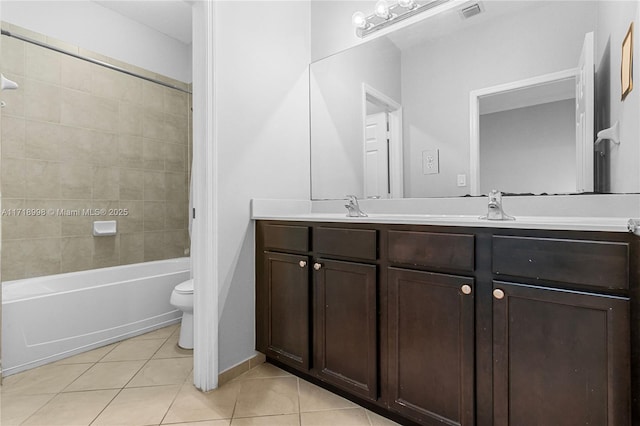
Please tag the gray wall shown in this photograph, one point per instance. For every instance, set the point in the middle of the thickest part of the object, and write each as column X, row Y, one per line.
column 530, row 149
column 613, row 22
column 262, row 92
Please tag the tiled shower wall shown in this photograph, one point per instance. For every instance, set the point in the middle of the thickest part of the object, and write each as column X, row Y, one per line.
column 77, row 138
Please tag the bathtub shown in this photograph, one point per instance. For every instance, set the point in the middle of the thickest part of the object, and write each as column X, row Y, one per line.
column 45, row 319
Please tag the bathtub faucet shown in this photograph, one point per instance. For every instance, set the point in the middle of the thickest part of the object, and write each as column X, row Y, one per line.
column 495, row 211
column 353, row 207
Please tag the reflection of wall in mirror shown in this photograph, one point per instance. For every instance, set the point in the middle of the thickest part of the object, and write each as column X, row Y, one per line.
column 436, row 92
column 529, row 150
column 337, row 106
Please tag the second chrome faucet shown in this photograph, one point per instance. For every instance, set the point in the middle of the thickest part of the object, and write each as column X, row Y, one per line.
column 353, row 208
column 494, row 207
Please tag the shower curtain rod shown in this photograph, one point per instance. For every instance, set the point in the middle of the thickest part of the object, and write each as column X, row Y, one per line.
column 93, row 61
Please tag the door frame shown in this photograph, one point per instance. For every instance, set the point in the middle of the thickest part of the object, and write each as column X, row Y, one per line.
column 205, row 237
column 396, row 175
column 474, row 116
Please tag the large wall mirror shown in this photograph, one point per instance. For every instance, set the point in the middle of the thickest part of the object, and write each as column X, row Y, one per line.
column 510, row 99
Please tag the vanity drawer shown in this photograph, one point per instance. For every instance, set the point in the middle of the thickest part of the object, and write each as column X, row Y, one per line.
column 344, row 242
column 438, row 250
column 285, row 237
column 593, row 263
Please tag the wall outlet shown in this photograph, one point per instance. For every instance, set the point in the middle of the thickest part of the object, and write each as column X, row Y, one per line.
column 430, row 162
column 462, row 180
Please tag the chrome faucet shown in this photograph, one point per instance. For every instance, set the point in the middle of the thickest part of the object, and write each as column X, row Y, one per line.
column 495, row 211
column 353, row 207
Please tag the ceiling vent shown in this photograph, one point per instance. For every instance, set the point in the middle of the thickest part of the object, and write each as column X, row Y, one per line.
column 470, row 11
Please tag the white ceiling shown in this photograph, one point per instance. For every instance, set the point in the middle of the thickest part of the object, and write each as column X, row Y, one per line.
column 170, row 17
column 451, row 21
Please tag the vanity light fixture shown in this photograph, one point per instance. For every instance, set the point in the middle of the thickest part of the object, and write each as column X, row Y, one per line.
column 386, row 14
column 382, row 10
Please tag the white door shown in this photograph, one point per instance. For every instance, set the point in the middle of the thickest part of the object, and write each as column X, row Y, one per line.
column 584, row 117
column 376, row 156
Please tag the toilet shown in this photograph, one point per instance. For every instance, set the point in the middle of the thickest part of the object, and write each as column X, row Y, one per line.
column 182, row 298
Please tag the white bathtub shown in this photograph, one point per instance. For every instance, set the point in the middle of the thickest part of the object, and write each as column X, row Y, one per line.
column 49, row 318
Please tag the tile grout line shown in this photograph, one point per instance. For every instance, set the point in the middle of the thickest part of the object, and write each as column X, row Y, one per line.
column 123, row 387
column 73, row 381
column 299, row 406
column 175, row 396
column 129, row 381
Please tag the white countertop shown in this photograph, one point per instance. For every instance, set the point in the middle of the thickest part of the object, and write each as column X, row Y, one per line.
column 303, row 211
column 523, row 222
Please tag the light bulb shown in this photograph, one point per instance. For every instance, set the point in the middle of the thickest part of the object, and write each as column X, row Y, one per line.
column 382, row 9
column 359, row 20
column 407, row 4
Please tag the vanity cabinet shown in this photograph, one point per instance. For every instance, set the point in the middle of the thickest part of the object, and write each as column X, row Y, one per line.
column 288, row 292
column 431, row 346
column 345, row 328
column 560, row 357
column 434, row 325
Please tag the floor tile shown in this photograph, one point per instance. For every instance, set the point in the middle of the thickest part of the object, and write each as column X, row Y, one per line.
column 286, row 420
column 43, row 380
column 346, row 417
column 225, row 422
column 106, row 375
column 94, row 355
column 138, row 406
column 192, row 405
column 170, row 349
column 378, row 420
column 17, row 408
column 161, row 333
column 314, row 398
column 265, row 397
column 263, row 371
column 133, row 350
column 172, row 371
column 71, row 409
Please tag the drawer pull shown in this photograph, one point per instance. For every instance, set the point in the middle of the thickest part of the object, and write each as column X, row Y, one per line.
column 498, row 294
column 302, row 263
column 317, row 266
column 466, row 289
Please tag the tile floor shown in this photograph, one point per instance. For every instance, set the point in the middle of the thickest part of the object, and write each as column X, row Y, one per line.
column 147, row 380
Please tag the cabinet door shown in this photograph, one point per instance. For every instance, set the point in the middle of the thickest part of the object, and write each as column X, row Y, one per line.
column 431, row 347
column 345, row 351
column 560, row 357
column 287, row 285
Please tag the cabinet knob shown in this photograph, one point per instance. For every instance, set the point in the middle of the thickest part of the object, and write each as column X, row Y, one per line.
column 466, row 289
column 498, row 294
column 317, row 266
column 302, row 263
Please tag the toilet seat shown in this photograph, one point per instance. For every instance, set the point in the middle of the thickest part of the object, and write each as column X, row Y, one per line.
column 185, row 287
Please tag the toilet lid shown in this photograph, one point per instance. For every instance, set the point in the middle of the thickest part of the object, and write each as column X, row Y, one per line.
column 185, row 287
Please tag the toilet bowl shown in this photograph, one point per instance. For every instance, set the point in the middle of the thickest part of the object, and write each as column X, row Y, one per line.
column 182, row 298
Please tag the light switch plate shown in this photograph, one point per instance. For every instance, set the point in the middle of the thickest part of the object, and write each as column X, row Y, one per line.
column 430, row 162
column 462, row 180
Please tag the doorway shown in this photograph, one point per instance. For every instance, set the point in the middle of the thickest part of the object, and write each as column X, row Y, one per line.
column 382, row 145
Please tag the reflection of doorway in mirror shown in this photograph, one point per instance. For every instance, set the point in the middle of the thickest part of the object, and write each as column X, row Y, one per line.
column 382, row 145
column 535, row 135
column 376, row 154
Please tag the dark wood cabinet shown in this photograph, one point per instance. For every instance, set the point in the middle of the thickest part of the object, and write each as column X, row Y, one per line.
column 445, row 325
column 345, row 328
column 431, row 346
column 288, row 314
column 560, row 357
